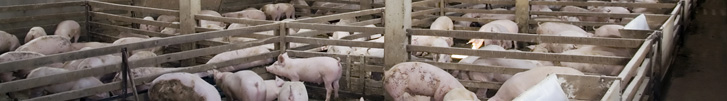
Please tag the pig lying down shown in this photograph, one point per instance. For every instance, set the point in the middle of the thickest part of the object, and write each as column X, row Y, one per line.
column 82, row 83
column 19, row 55
column 325, row 70
column 33, row 33
column 243, row 85
column 273, row 88
column 419, row 78
column 48, row 45
column 182, row 87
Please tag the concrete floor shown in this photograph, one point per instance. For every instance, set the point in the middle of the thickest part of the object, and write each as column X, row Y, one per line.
column 698, row 72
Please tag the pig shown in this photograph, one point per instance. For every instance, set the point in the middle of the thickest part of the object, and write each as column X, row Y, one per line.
column 19, row 55
column 524, row 80
column 236, row 26
column 500, row 26
column 170, row 30
column 273, row 88
column 230, row 55
column 585, row 18
column 129, row 34
column 555, row 28
column 561, row 47
column 416, row 97
column 598, row 51
column 313, row 69
column 80, row 45
column 8, row 42
column 460, row 94
column 211, row 24
column 443, row 23
column 492, row 77
column 34, row 32
column 287, row 9
column 293, row 91
column 608, row 31
column 271, row 11
column 250, row 13
column 78, row 84
column 498, row 16
column 48, row 45
column 140, row 72
column 70, row 29
column 128, row 40
column 167, row 18
column 182, row 86
column 150, row 28
column 418, row 78
column 243, row 85
column 378, row 52
column 432, row 41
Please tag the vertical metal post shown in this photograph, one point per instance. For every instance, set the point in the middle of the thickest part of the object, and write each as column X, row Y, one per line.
column 522, row 12
column 397, row 19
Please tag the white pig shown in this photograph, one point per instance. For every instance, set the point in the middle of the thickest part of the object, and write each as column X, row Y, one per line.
column 460, row 94
column 128, row 40
column 151, row 28
column 225, row 56
column 598, row 51
column 287, row 9
column 48, row 45
column 554, row 28
column 243, row 85
column 524, row 80
column 182, row 87
column 293, row 91
column 273, row 88
column 500, row 26
column 432, row 41
column 8, row 42
column 70, row 29
column 561, row 47
column 82, row 83
column 418, row 78
column 443, row 23
column 80, row 45
column 34, row 32
column 609, row 31
column 325, row 70
column 19, row 55
column 211, row 24
column 271, row 11
column 141, row 72
column 170, row 30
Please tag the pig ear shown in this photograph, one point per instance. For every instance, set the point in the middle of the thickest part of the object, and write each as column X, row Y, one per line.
column 279, row 81
column 281, row 58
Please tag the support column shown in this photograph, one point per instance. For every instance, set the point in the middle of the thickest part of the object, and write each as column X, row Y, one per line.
column 397, row 18
column 522, row 12
column 187, row 10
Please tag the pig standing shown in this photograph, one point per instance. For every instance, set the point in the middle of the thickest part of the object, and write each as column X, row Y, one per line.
column 70, row 29
column 34, row 32
column 443, row 23
column 250, row 13
column 524, row 80
column 182, row 87
column 8, row 42
column 418, row 78
column 243, row 85
column 276, row 11
column 273, row 88
column 314, row 69
column 150, row 28
column 82, row 83
column 500, row 26
column 48, row 45
column 293, row 91
column 225, row 56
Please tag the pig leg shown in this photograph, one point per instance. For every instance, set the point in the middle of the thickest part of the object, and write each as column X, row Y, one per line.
column 335, row 88
column 329, row 88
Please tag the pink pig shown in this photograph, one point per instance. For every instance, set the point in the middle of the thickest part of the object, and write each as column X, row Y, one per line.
column 244, row 85
column 419, row 78
column 313, row 69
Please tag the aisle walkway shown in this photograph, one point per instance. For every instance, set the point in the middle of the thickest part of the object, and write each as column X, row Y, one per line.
column 698, row 73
